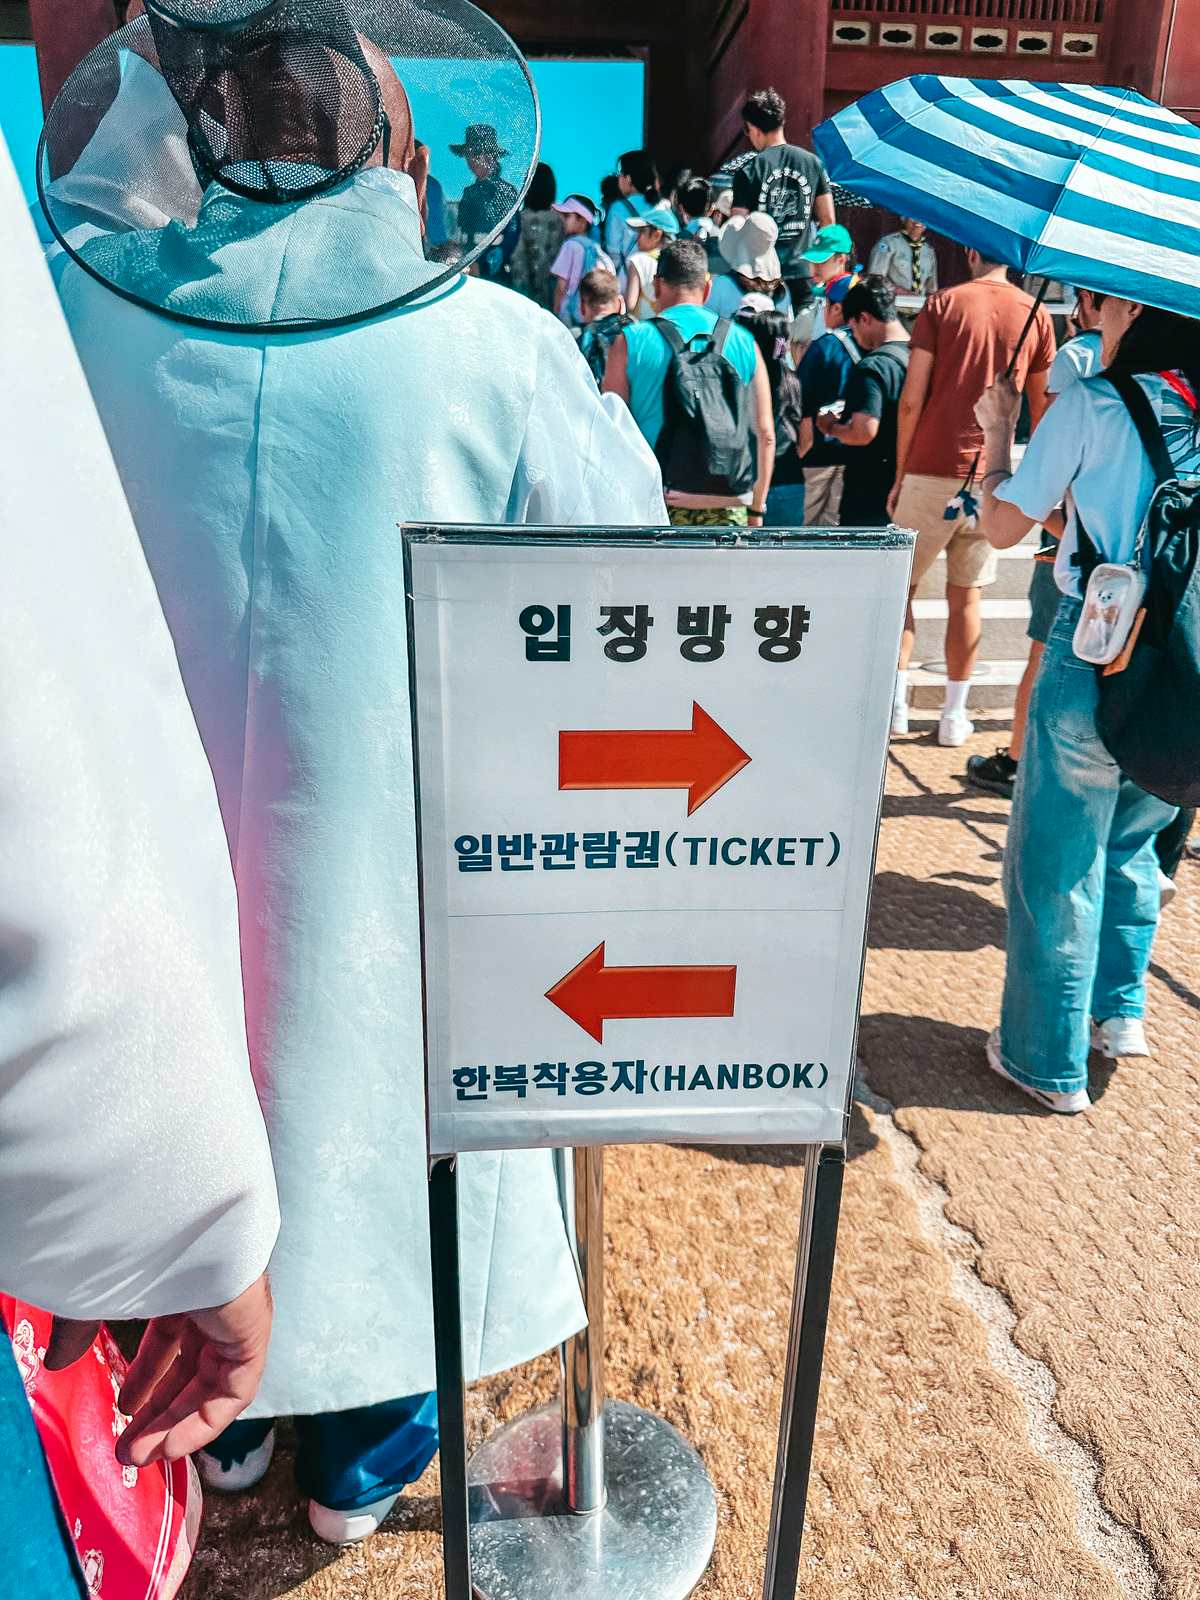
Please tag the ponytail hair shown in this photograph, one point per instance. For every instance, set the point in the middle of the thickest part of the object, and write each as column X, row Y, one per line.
column 638, row 166
column 770, row 330
column 1160, row 341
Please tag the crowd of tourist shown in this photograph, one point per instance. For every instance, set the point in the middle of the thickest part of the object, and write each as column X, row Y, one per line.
column 848, row 411
column 757, row 245
column 707, row 346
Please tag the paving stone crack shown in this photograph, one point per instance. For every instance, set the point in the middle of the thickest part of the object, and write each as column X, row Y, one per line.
column 1113, row 1543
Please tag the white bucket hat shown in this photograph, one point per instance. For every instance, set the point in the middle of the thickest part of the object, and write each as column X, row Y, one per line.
column 748, row 245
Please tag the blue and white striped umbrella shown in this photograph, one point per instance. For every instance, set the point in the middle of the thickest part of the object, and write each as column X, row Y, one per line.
column 1092, row 186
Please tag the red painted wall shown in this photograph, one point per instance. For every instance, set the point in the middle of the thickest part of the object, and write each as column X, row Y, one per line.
column 1179, row 83
column 781, row 44
column 64, row 31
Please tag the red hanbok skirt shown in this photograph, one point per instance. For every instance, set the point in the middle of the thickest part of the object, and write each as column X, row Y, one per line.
column 134, row 1531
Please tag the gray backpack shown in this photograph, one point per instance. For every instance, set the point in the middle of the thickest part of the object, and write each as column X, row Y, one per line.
column 704, row 447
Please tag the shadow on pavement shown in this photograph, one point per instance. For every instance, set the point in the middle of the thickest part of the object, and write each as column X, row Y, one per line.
column 929, row 802
column 921, row 914
column 919, row 1061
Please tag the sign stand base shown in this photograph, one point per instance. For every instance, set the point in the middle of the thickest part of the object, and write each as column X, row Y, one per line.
column 653, row 1538
column 587, row 1499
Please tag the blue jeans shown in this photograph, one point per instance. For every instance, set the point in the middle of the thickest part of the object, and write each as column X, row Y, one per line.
column 785, row 506
column 349, row 1459
column 1080, row 879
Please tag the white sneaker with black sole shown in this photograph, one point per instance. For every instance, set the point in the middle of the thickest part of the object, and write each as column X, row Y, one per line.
column 1120, row 1036
column 1067, row 1105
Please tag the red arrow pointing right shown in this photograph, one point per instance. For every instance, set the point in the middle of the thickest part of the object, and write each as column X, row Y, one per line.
column 699, row 759
column 592, row 994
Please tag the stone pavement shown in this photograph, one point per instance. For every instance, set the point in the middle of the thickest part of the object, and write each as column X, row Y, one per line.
column 1011, row 1407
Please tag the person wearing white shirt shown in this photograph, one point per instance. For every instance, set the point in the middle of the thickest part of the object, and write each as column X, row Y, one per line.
column 1080, row 871
column 135, row 1173
column 280, row 389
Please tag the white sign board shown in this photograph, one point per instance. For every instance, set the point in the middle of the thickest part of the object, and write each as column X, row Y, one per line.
column 649, row 781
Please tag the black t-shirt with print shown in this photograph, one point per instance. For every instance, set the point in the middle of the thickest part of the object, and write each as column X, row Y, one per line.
column 783, row 180
column 873, row 388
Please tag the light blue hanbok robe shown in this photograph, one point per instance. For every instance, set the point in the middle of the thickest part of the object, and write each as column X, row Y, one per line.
column 266, row 475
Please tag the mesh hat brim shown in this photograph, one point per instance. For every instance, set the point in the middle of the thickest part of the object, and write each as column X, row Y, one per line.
column 115, row 158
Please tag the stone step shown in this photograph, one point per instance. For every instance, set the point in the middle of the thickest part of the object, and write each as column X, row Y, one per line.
column 993, row 687
column 1005, row 643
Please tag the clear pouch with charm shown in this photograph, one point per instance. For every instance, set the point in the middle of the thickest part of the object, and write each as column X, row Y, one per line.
column 1111, row 603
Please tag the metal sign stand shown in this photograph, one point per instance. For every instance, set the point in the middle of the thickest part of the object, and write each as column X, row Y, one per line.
column 451, row 1387
column 593, row 1500
column 587, row 1499
column 824, row 1167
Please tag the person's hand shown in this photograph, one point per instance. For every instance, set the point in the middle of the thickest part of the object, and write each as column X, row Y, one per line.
column 826, row 421
column 193, row 1375
column 754, row 519
column 998, row 408
column 893, row 499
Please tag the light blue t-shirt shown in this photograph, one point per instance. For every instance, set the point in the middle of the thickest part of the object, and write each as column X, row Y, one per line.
column 1087, row 443
column 1078, row 359
column 650, row 357
column 726, row 294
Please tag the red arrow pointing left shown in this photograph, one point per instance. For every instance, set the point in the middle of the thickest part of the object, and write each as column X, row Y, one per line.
column 592, row 994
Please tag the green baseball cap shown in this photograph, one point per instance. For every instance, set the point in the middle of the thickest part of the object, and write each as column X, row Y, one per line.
column 831, row 241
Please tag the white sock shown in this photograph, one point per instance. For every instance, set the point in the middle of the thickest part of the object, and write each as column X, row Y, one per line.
column 901, row 688
column 956, row 696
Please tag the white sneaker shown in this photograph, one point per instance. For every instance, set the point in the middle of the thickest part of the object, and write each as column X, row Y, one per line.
column 347, row 1527
column 1167, row 890
column 1067, row 1105
column 1120, row 1036
column 240, row 1475
column 900, row 716
column 954, row 728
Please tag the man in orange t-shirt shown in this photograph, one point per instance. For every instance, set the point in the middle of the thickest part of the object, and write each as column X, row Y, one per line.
column 962, row 341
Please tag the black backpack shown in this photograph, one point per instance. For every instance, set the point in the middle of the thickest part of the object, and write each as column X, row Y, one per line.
column 704, row 446
column 1149, row 713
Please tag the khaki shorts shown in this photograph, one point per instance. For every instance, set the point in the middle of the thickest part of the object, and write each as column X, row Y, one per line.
column 970, row 559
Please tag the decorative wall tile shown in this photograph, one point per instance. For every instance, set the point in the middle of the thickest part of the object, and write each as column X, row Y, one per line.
column 943, row 37
column 1079, row 44
column 992, row 41
column 851, row 33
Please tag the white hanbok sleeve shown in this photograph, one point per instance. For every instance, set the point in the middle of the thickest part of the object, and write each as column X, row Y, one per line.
column 584, row 461
column 135, row 1175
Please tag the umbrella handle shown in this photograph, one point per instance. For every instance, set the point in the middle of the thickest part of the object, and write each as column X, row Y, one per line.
column 968, row 482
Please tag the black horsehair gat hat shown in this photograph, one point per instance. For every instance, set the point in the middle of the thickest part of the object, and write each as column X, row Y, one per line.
column 276, row 103
column 480, row 139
